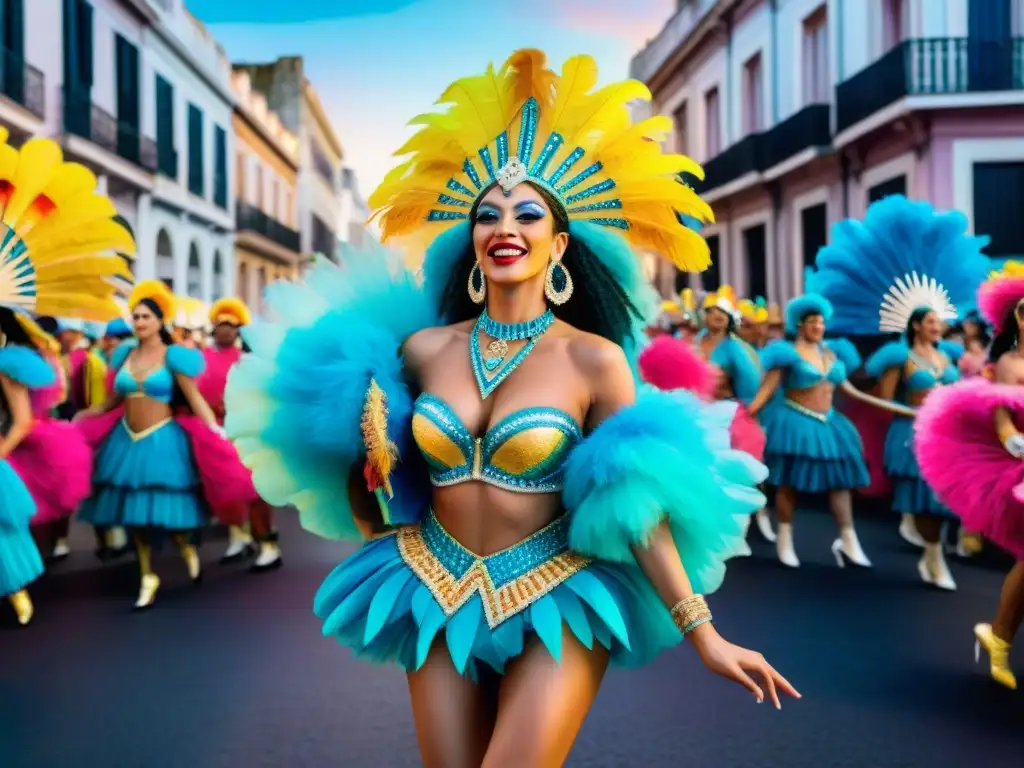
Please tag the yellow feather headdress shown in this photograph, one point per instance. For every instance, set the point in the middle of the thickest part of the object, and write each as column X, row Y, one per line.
column 724, row 299
column 231, row 311
column 59, row 242
column 751, row 312
column 157, row 292
column 525, row 123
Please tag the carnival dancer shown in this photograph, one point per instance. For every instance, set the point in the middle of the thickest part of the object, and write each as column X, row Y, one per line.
column 775, row 325
column 905, row 269
column 812, row 448
column 970, row 448
column 157, row 467
column 518, row 345
column 228, row 316
column 59, row 241
column 116, row 331
column 753, row 326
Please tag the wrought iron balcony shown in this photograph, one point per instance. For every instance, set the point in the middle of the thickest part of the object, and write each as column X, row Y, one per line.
column 136, row 148
column 929, row 67
column 807, row 128
column 22, row 83
column 248, row 218
column 743, row 157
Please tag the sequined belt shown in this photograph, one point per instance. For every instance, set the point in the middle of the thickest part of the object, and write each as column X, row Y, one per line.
column 136, row 436
column 508, row 581
column 822, row 417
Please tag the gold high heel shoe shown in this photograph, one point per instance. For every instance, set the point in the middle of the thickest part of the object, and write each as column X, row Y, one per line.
column 147, row 591
column 22, row 605
column 998, row 651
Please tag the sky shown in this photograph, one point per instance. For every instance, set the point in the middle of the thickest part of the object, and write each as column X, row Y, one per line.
column 378, row 63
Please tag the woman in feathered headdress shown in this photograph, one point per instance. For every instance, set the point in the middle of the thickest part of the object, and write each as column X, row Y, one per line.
column 227, row 317
column 905, row 269
column 812, row 448
column 59, row 241
column 552, row 482
column 753, row 327
column 161, row 459
column 969, row 445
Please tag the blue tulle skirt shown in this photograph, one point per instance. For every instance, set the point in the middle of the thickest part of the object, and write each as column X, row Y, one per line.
column 146, row 480
column 20, row 563
column 910, row 494
column 392, row 598
column 812, row 453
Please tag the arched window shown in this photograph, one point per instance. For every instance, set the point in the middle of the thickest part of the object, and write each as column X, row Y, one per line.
column 195, row 272
column 124, row 223
column 218, row 276
column 165, row 258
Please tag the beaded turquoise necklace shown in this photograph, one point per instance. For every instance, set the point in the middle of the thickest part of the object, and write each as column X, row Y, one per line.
column 493, row 369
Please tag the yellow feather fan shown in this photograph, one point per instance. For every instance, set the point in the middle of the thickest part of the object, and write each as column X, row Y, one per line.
column 558, row 132
column 59, row 244
column 157, row 292
column 231, row 311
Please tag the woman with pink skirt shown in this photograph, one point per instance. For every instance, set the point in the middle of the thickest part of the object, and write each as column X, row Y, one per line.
column 970, row 446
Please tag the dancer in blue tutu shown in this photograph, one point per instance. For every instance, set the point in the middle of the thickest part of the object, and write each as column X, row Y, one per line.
column 563, row 507
column 153, row 462
column 812, row 448
column 908, row 270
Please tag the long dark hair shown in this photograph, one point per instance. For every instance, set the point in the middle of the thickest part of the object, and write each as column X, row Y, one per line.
column 14, row 331
column 598, row 304
column 1006, row 339
column 178, row 399
column 917, row 316
column 730, row 327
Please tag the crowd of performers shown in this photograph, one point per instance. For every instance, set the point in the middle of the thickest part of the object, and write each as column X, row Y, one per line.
column 522, row 530
column 115, row 420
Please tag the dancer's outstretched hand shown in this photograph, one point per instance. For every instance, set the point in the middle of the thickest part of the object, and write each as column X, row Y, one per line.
column 737, row 664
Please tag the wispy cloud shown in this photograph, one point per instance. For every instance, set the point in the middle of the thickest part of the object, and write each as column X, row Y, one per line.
column 290, row 11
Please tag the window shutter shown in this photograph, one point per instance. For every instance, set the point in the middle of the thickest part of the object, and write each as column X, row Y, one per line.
column 85, row 44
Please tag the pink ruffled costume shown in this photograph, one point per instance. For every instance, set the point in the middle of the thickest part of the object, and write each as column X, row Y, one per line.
column 219, row 361
column 959, row 451
column 54, row 460
column 669, row 364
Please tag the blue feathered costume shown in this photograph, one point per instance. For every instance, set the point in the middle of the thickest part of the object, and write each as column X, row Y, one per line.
column 808, row 451
column 904, row 256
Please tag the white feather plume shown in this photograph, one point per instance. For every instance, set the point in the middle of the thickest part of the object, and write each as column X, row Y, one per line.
column 911, row 292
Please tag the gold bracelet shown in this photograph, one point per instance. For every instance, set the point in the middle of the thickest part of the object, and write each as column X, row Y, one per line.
column 690, row 612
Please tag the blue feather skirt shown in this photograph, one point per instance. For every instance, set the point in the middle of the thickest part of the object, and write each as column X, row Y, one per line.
column 146, row 480
column 810, row 452
column 20, row 563
column 396, row 595
column 910, row 493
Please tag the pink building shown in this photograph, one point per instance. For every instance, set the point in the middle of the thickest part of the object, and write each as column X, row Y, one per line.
column 805, row 111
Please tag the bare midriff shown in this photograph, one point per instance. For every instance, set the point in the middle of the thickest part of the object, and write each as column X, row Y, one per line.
column 486, row 519
column 142, row 413
column 914, row 399
column 817, row 398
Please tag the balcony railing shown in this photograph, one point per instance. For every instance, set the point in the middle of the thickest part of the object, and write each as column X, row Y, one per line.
column 136, row 148
column 807, row 128
column 252, row 219
column 22, row 83
column 743, row 157
column 659, row 50
column 927, row 67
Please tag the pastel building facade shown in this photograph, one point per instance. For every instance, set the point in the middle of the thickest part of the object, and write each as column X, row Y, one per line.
column 803, row 112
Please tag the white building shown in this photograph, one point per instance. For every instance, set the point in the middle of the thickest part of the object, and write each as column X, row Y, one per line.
column 354, row 210
column 290, row 94
column 187, row 224
column 802, row 112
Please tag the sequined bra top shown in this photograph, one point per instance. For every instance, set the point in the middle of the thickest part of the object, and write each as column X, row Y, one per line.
column 157, row 384
column 524, row 452
column 921, row 376
column 804, row 375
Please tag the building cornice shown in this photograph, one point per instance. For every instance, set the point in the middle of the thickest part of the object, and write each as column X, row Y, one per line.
column 320, row 115
column 223, row 90
column 266, row 138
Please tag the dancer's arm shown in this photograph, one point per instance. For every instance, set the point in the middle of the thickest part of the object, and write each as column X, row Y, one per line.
column 1006, row 373
column 878, row 402
column 769, row 385
column 658, row 555
column 196, row 401
column 21, row 415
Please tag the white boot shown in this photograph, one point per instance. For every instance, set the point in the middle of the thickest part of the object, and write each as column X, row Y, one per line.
column 117, row 539
column 933, row 569
column 784, row 546
column 269, row 556
column 764, row 525
column 61, row 549
column 847, row 547
column 908, row 530
column 239, row 544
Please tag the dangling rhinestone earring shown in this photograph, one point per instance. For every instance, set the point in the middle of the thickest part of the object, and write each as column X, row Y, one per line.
column 551, row 290
column 476, row 275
